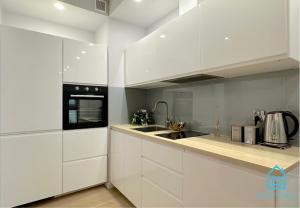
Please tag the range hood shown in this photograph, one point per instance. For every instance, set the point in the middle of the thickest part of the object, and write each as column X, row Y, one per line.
column 192, row 78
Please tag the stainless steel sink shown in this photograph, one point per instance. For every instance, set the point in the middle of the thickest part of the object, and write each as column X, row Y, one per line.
column 150, row 129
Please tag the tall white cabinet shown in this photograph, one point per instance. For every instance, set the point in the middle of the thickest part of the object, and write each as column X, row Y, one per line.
column 31, row 116
column 84, row 63
column 30, row 81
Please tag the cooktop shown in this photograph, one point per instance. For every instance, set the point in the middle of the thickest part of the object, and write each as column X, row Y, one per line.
column 181, row 134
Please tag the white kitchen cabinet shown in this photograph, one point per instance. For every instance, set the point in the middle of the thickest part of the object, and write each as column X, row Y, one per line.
column 221, row 38
column 162, row 175
column 84, row 63
column 85, row 158
column 209, row 182
column 84, row 143
column 30, row 81
column 141, row 61
column 178, row 48
column 125, row 165
column 30, row 167
column 233, row 32
column 169, row 51
column 84, row 173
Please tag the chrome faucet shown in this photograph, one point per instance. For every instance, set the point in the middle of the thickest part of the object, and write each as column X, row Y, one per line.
column 167, row 122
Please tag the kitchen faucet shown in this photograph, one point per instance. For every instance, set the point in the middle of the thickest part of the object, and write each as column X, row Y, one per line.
column 167, row 122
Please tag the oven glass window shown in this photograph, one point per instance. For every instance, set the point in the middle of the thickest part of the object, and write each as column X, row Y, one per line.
column 85, row 111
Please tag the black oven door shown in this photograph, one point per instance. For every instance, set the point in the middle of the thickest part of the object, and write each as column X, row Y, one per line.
column 85, row 109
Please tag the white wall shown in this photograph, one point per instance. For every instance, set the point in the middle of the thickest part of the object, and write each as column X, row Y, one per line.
column 102, row 34
column 42, row 26
column 118, row 35
column 169, row 17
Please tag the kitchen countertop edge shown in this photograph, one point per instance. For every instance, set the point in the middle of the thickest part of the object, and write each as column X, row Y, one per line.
column 127, row 129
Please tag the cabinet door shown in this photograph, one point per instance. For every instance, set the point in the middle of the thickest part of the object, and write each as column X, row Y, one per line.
column 178, row 48
column 233, row 31
column 30, row 81
column 209, row 182
column 141, row 61
column 82, row 144
column 116, row 160
column 84, row 63
column 126, row 165
column 31, row 168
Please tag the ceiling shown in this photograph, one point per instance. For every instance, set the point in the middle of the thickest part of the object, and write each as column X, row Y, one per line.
column 44, row 9
column 145, row 12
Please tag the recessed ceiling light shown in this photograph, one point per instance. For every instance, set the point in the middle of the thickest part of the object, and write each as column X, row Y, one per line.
column 226, row 38
column 83, row 52
column 162, row 36
column 91, row 44
column 59, row 6
column 77, row 57
column 138, row 1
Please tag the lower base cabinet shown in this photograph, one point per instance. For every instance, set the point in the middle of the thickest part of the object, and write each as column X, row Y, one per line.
column 30, row 167
column 84, row 173
column 85, row 158
column 152, row 174
column 210, row 182
column 125, row 167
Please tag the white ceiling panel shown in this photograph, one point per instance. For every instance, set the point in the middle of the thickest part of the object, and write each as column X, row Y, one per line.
column 143, row 13
column 44, row 9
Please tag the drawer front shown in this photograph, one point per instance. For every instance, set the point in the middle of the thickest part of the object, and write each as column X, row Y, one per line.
column 165, row 155
column 82, row 144
column 154, row 196
column 84, row 173
column 166, row 179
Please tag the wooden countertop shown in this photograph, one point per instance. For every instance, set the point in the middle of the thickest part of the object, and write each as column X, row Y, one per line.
column 252, row 156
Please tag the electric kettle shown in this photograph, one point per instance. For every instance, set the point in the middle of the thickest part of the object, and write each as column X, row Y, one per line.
column 276, row 128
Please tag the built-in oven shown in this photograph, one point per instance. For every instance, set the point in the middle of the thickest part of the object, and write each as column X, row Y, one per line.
column 84, row 106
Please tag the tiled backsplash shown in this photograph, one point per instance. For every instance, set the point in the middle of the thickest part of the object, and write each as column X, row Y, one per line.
column 232, row 101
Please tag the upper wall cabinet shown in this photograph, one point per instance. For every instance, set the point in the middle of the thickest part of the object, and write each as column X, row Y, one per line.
column 30, row 81
column 235, row 34
column 84, row 63
column 170, row 50
column 224, row 38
